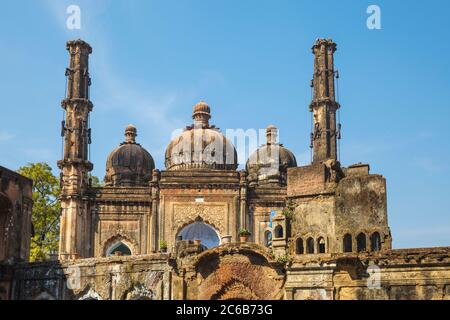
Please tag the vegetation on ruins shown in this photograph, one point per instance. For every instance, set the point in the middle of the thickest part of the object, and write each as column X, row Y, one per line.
column 46, row 210
column 163, row 245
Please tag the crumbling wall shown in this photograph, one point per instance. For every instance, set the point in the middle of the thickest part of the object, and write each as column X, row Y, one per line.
column 234, row 271
column 413, row 274
column 361, row 207
column 16, row 206
column 115, row 278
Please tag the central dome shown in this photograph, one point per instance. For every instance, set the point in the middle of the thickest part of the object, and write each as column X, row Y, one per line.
column 201, row 146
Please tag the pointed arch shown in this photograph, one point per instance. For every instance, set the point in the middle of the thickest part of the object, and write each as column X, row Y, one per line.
column 89, row 294
column 361, row 242
column 268, row 238
column 310, row 246
column 119, row 240
column 321, row 245
column 279, row 232
column 375, row 241
column 347, row 244
column 118, row 249
column 200, row 230
column 299, row 247
column 234, row 290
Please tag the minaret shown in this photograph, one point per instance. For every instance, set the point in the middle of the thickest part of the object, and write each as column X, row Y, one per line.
column 75, row 165
column 324, row 105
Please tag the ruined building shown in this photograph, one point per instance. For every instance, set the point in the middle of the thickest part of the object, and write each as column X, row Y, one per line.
column 316, row 232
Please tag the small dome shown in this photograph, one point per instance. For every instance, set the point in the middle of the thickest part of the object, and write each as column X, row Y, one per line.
column 201, row 107
column 201, row 146
column 270, row 162
column 129, row 164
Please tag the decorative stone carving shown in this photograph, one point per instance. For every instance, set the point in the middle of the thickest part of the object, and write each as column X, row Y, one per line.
column 212, row 214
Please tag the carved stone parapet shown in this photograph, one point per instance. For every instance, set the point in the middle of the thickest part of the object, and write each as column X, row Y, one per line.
column 78, row 101
column 316, row 103
column 75, row 45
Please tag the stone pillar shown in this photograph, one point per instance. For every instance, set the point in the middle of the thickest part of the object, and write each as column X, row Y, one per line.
column 324, row 105
column 154, row 230
column 243, row 200
column 75, row 165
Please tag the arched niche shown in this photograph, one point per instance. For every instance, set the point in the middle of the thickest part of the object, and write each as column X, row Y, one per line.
column 361, row 242
column 299, row 247
column 200, row 230
column 375, row 241
column 268, row 238
column 310, row 246
column 321, row 245
column 121, row 244
column 248, row 273
column 279, row 232
column 118, row 249
column 347, row 244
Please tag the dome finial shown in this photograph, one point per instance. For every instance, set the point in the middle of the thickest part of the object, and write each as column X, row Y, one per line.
column 201, row 114
column 130, row 134
column 272, row 134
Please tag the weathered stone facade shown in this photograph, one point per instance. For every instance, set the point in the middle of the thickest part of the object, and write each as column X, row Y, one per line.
column 317, row 232
column 15, row 225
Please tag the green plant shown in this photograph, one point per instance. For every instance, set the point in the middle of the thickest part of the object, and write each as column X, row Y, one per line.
column 288, row 212
column 163, row 245
column 46, row 210
column 283, row 259
column 244, row 233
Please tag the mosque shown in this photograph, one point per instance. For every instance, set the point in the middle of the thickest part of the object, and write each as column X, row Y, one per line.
column 201, row 229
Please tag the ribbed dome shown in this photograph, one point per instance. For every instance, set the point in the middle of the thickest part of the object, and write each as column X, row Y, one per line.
column 129, row 164
column 270, row 162
column 201, row 146
column 202, row 107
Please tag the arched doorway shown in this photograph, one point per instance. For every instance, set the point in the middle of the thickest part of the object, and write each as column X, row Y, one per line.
column 200, row 231
column 118, row 249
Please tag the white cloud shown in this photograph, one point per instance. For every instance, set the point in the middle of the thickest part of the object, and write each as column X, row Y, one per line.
column 429, row 165
column 5, row 136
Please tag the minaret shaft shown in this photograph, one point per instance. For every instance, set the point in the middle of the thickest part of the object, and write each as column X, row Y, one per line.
column 324, row 105
column 75, row 165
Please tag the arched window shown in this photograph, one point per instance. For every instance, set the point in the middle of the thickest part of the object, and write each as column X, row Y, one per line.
column 347, row 243
column 361, row 242
column 299, row 249
column 375, row 242
column 310, row 246
column 267, row 238
column 118, row 249
column 321, row 245
column 201, row 231
column 279, row 232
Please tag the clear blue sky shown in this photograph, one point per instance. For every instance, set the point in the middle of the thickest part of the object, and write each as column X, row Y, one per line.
column 251, row 61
